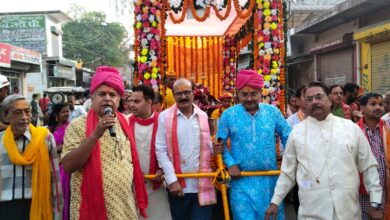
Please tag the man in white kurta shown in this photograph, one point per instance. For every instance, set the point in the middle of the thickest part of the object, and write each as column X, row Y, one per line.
column 183, row 145
column 324, row 155
column 143, row 123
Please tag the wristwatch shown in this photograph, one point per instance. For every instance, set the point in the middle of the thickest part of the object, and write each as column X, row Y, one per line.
column 375, row 205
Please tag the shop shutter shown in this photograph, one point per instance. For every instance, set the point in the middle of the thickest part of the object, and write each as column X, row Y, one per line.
column 336, row 67
column 380, row 67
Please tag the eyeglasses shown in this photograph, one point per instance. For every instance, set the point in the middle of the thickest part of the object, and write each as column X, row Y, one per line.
column 318, row 97
column 337, row 93
column 186, row 93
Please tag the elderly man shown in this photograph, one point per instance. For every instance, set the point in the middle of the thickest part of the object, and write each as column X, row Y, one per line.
column 324, row 155
column 183, row 144
column 377, row 133
column 252, row 129
column 144, row 123
column 100, row 151
column 226, row 102
column 169, row 98
column 29, row 166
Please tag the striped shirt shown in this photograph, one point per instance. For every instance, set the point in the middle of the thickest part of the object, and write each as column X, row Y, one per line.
column 376, row 143
column 16, row 180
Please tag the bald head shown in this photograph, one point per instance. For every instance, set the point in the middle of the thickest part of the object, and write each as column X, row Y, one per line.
column 182, row 91
column 180, row 83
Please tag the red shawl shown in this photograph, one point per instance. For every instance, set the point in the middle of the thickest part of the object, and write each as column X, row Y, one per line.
column 92, row 192
column 153, row 159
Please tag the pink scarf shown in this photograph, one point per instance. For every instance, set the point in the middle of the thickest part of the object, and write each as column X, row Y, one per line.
column 153, row 159
column 206, row 192
column 92, row 192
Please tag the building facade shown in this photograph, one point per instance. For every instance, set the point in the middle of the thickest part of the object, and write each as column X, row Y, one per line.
column 41, row 32
column 336, row 46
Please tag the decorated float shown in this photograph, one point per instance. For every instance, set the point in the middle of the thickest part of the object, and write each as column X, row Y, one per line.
column 202, row 40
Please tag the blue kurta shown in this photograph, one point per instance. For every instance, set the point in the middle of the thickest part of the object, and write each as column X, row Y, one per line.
column 253, row 148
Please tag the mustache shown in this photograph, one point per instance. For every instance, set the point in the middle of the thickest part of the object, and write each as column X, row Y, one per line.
column 184, row 100
column 314, row 107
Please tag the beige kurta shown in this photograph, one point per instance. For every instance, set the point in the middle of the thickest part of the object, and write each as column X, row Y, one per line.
column 158, row 208
column 117, row 172
column 334, row 151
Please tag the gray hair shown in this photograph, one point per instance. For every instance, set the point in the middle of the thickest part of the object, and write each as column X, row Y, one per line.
column 9, row 100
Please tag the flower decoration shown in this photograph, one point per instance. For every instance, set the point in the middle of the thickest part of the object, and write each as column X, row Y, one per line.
column 148, row 45
column 270, row 50
column 229, row 62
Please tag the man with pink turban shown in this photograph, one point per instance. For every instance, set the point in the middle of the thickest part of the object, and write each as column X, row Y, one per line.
column 100, row 152
column 252, row 129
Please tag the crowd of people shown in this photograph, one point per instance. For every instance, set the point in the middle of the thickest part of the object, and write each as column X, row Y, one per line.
column 73, row 161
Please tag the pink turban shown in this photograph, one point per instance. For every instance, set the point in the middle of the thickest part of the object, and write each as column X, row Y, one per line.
column 249, row 78
column 109, row 76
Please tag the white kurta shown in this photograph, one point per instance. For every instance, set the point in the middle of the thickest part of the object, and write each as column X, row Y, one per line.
column 333, row 151
column 158, row 208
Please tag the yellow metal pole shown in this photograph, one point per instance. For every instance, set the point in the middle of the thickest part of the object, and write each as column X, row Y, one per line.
column 223, row 188
column 186, row 175
column 222, row 173
column 261, row 173
column 214, row 174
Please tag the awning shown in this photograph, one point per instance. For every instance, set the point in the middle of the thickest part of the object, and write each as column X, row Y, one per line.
column 373, row 30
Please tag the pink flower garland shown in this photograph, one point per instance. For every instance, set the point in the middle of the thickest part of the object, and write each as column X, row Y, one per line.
column 229, row 63
column 147, row 15
column 271, row 47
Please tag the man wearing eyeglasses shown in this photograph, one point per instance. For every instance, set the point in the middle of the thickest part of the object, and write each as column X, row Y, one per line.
column 183, row 145
column 324, row 155
column 252, row 129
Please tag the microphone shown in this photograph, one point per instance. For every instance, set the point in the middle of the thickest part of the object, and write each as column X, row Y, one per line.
column 109, row 111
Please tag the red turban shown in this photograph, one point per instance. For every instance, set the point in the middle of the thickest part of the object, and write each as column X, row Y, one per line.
column 109, row 76
column 249, row 78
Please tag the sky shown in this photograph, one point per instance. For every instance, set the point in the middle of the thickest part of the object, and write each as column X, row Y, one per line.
column 189, row 27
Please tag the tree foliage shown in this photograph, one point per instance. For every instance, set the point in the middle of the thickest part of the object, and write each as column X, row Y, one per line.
column 96, row 42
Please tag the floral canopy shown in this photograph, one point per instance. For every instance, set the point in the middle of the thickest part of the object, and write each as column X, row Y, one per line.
column 201, row 40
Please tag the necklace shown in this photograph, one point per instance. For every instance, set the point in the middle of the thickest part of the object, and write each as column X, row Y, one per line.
column 327, row 152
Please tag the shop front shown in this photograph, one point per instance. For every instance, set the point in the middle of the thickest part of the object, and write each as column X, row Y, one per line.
column 375, row 57
column 15, row 63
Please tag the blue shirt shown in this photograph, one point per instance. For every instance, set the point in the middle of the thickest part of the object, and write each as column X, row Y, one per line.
column 252, row 137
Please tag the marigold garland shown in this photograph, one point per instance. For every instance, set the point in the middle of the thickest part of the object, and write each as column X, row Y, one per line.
column 239, row 10
column 206, row 13
column 227, row 13
column 182, row 16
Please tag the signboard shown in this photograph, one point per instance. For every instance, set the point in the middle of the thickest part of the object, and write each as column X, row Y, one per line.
column 64, row 72
column 24, row 31
column 5, row 55
column 25, row 56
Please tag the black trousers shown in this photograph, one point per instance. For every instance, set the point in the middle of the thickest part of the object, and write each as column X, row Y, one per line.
column 15, row 209
column 187, row 208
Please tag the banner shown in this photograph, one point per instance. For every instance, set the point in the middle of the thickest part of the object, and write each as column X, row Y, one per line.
column 24, row 31
column 5, row 55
